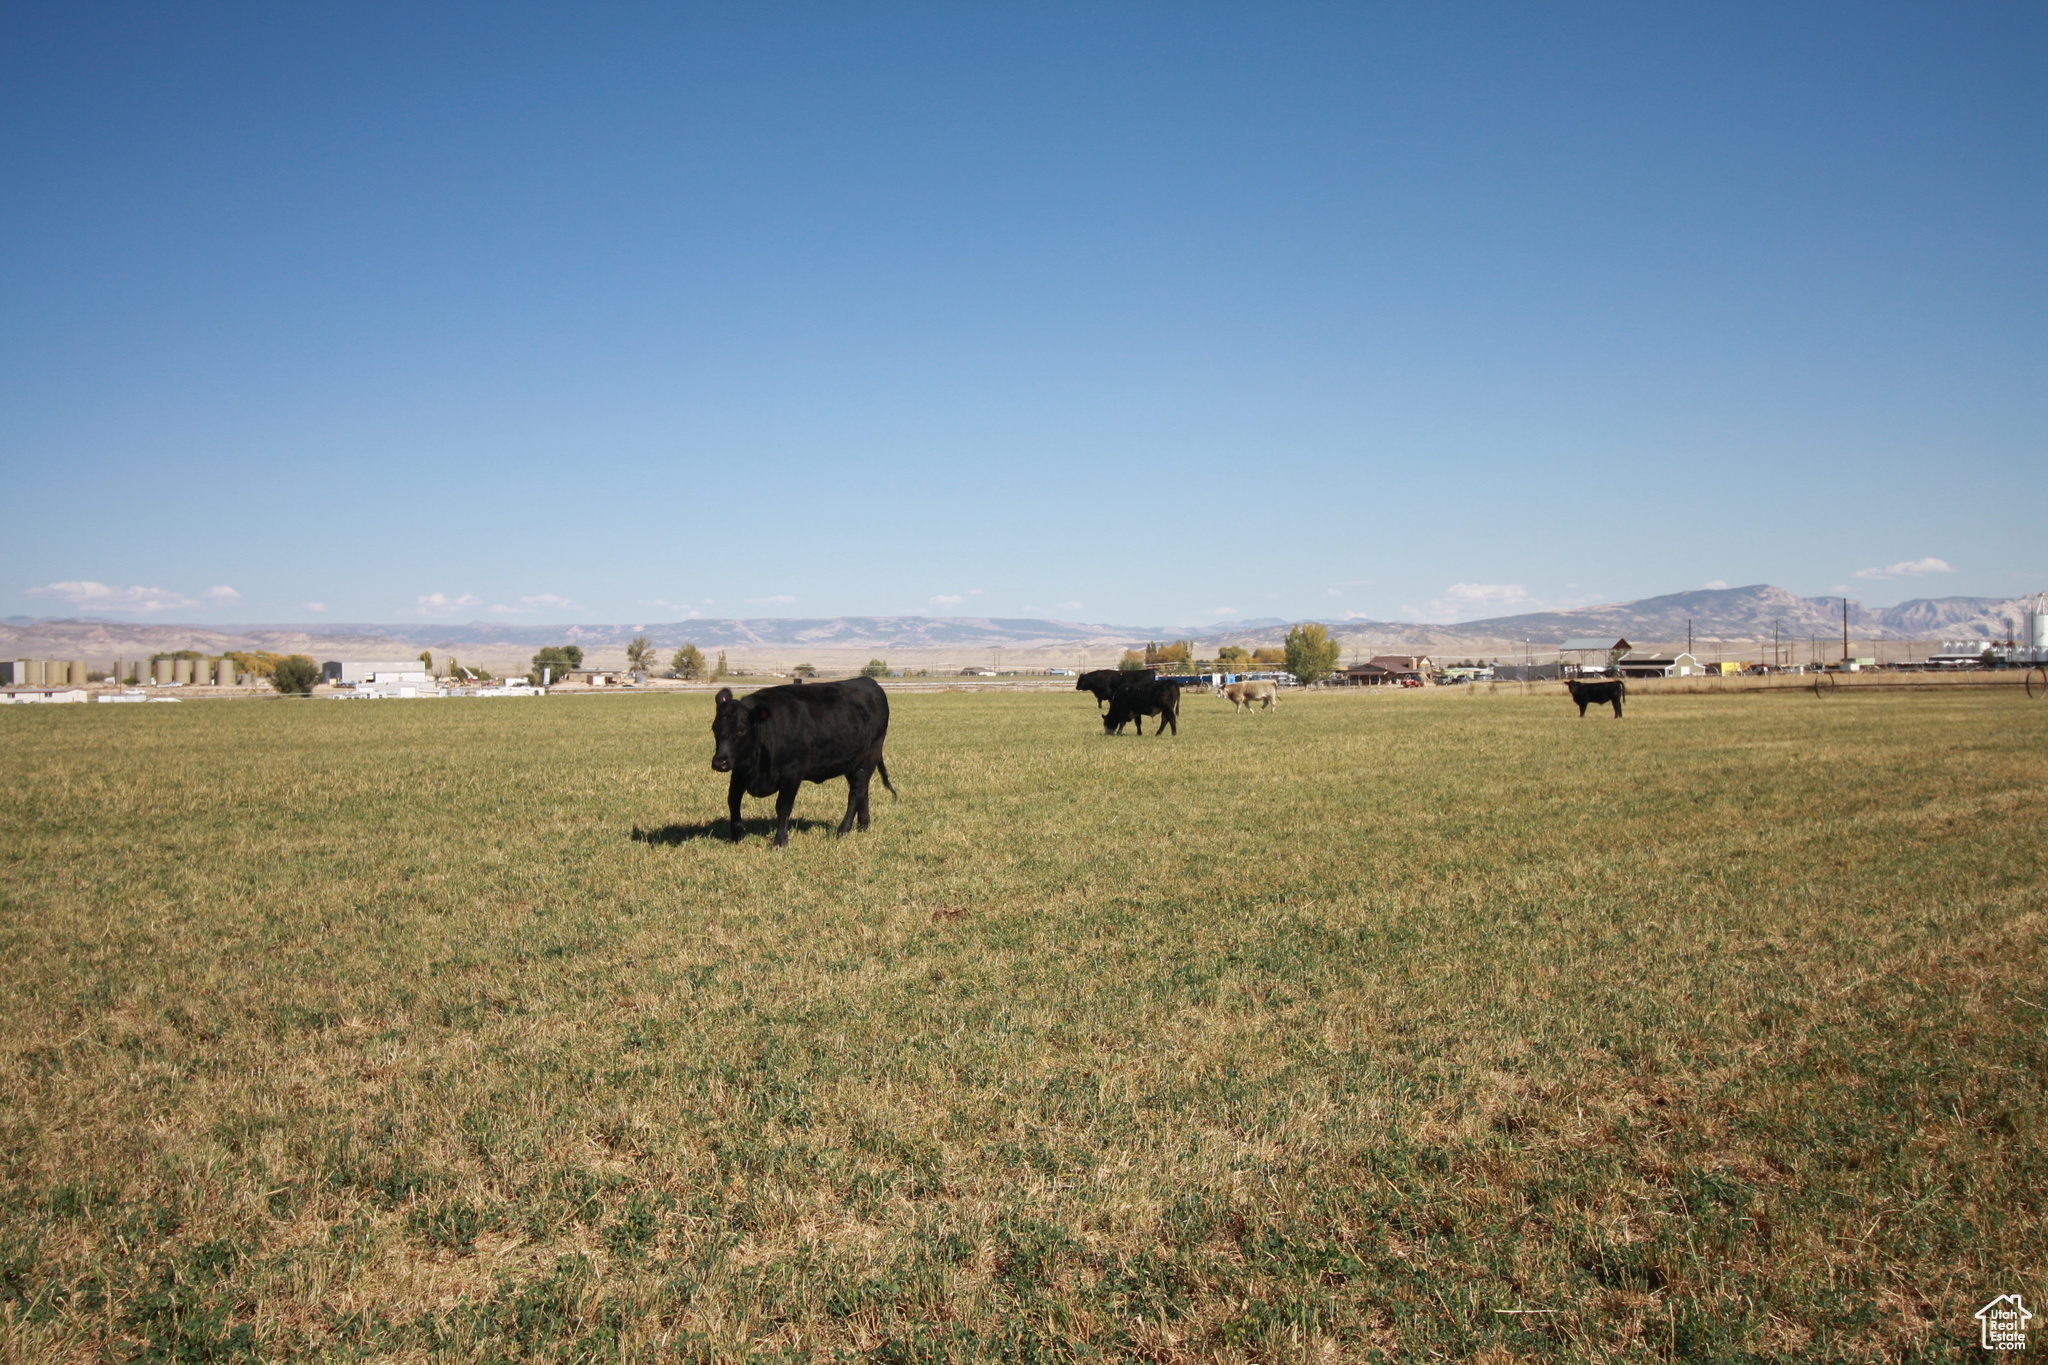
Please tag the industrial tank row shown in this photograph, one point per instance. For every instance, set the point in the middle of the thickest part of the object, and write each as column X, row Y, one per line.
column 162, row 672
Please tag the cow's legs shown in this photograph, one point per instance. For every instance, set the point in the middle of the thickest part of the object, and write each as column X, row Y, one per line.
column 1166, row 718
column 733, row 793
column 785, row 802
column 1617, row 708
column 856, row 800
column 1582, row 710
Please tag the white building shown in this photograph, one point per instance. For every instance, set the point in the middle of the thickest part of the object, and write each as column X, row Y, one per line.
column 348, row 674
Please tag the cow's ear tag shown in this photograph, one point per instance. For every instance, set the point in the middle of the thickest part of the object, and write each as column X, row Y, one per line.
column 760, row 713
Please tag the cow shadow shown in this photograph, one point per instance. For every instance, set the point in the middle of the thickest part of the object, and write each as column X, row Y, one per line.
column 721, row 830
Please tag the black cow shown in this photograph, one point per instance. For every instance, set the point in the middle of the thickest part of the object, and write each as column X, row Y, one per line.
column 1597, row 694
column 775, row 740
column 1104, row 682
column 1145, row 697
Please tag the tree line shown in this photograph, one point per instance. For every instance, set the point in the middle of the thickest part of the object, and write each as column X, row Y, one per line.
column 1309, row 654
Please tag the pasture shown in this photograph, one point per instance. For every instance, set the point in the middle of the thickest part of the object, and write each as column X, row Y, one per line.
column 1377, row 1027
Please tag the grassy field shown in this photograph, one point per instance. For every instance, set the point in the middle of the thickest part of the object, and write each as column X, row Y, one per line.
column 1380, row 1027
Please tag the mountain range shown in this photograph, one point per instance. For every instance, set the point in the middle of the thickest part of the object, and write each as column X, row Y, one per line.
column 1738, row 616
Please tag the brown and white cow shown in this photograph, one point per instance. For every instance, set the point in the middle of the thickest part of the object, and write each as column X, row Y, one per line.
column 1243, row 696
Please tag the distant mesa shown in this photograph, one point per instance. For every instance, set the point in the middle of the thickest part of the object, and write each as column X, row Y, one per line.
column 1737, row 615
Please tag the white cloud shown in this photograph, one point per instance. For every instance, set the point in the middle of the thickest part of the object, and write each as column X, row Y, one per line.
column 440, row 603
column 1911, row 568
column 100, row 597
column 776, row 601
column 1717, row 585
column 314, row 606
column 223, row 593
column 949, row 599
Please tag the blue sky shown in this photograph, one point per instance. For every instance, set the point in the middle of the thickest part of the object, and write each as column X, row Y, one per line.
column 1143, row 314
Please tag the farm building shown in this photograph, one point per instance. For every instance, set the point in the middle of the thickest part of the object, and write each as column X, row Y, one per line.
column 26, row 696
column 1661, row 666
column 1595, row 654
column 594, row 677
column 1401, row 667
column 352, row 672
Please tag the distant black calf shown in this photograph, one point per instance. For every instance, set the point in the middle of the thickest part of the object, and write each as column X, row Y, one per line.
column 1597, row 694
column 775, row 740
column 1145, row 697
column 1104, row 682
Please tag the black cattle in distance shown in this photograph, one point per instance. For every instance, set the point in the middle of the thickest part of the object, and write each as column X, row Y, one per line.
column 1147, row 697
column 1597, row 694
column 1104, row 682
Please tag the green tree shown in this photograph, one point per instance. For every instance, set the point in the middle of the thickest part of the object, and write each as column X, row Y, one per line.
column 295, row 675
column 1311, row 654
column 688, row 661
column 1232, row 654
column 1131, row 662
column 803, row 671
column 557, row 660
column 427, row 659
column 722, row 671
column 877, row 668
column 640, row 654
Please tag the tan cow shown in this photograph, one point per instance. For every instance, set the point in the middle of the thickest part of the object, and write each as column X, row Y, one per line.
column 1244, row 695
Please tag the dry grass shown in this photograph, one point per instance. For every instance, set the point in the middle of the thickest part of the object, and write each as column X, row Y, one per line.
column 1411, row 1025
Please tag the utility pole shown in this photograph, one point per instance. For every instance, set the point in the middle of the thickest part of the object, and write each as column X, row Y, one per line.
column 1688, row 635
column 1845, row 634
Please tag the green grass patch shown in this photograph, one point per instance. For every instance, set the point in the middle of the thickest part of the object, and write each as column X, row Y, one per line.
column 1374, row 1027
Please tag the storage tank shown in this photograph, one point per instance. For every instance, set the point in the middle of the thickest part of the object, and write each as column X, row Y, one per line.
column 2037, row 631
column 163, row 671
column 224, row 673
column 78, row 671
column 181, row 670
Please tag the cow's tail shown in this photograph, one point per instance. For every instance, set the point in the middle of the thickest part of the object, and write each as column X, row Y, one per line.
column 883, row 769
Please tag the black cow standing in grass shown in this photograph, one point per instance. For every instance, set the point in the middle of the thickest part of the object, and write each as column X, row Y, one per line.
column 1597, row 694
column 775, row 740
column 1144, row 697
column 1104, row 682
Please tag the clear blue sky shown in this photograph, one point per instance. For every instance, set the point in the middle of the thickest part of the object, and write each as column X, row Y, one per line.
column 1130, row 313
